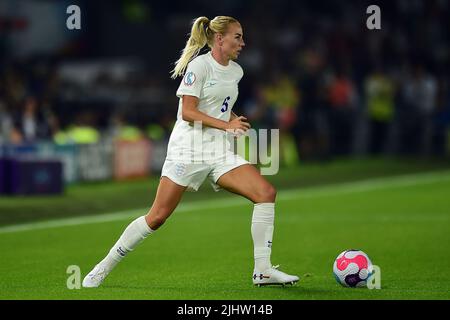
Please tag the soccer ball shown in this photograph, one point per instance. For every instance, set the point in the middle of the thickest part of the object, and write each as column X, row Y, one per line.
column 352, row 268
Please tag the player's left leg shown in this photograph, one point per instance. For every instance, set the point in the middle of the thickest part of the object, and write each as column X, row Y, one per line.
column 246, row 180
column 166, row 200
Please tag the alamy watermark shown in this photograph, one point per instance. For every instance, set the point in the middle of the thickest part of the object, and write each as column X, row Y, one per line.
column 374, row 280
column 374, row 20
column 73, row 21
column 204, row 144
column 74, row 280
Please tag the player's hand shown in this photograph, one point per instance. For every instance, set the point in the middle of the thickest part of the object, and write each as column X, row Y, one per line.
column 239, row 123
column 238, row 126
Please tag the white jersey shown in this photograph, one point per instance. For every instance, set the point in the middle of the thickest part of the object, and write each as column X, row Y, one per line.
column 216, row 87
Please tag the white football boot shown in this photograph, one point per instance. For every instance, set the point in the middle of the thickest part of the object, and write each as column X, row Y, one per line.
column 273, row 276
column 95, row 277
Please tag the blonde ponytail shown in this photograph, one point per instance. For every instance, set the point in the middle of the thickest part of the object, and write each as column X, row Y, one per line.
column 197, row 40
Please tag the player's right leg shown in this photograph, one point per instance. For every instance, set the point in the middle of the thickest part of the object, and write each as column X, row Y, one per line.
column 247, row 181
column 167, row 198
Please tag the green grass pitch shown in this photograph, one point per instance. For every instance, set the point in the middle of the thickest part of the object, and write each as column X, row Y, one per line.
column 206, row 253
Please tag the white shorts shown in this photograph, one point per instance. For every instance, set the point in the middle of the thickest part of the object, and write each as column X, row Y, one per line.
column 192, row 175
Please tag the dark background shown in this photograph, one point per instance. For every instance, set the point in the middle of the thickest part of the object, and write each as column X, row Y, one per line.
column 308, row 69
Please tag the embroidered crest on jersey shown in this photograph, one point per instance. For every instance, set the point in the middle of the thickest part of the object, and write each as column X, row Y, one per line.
column 189, row 78
column 180, row 169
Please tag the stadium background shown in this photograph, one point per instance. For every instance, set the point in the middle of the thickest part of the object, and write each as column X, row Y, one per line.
column 86, row 114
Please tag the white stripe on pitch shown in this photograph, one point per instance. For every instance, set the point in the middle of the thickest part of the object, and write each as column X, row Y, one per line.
column 329, row 190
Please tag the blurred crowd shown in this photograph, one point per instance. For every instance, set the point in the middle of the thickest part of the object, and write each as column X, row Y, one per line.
column 313, row 70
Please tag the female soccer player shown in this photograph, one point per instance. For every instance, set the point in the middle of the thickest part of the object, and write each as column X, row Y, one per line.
column 207, row 94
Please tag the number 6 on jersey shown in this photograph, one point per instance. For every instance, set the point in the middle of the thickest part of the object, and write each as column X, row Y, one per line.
column 225, row 104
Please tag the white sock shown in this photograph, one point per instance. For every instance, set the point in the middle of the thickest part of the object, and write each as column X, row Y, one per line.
column 262, row 232
column 134, row 234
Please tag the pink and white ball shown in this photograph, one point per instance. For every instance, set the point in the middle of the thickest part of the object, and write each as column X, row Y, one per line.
column 352, row 268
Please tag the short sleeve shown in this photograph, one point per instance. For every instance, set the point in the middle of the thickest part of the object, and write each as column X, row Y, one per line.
column 193, row 80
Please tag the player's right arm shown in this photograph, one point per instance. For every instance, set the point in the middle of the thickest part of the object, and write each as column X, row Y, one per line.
column 190, row 113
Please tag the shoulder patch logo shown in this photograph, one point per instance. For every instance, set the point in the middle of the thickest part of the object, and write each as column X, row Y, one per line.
column 189, row 78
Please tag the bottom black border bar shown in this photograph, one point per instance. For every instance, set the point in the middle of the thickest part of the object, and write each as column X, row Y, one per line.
column 228, row 309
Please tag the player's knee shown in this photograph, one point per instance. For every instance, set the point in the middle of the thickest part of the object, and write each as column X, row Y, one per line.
column 266, row 193
column 154, row 222
column 271, row 193
column 157, row 217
